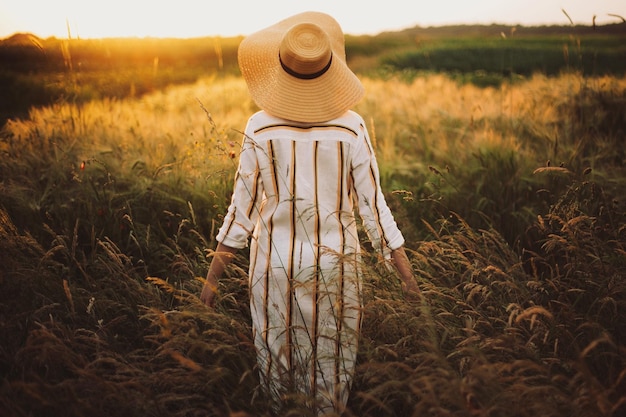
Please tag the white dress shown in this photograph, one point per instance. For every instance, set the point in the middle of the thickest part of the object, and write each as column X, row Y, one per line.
column 296, row 191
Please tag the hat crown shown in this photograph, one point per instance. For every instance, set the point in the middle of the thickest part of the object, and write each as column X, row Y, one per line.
column 305, row 51
column 296, row 69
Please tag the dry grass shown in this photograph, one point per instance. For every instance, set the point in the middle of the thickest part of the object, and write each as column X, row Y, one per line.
column 108, row 213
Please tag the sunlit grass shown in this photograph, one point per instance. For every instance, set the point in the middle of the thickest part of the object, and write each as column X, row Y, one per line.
column 510, row 199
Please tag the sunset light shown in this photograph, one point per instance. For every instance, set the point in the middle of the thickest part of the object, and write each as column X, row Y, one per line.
column 243, row 208
column 188, row 18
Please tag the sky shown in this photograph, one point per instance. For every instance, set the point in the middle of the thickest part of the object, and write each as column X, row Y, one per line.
column 197, row 18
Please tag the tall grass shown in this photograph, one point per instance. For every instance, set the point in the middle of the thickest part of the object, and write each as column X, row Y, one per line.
column 510, row 199
column 476, row 151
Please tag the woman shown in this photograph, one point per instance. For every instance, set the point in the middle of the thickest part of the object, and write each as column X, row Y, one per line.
column 306, row 165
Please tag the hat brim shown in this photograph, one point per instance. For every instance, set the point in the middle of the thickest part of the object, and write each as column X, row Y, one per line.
column 283, row 95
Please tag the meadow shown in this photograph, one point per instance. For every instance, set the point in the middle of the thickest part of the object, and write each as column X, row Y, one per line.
column 510, row 195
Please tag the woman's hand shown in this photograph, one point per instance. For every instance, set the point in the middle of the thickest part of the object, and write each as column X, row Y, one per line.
column 209, row 291
column 222, row 256
column 403, row 265
column 410, row 289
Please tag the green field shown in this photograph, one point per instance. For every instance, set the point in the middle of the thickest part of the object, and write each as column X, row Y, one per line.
column 42, row 71
column 501, row 154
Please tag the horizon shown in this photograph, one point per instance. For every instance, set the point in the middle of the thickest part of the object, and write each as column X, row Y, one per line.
column 442, row 26
column 86, row 19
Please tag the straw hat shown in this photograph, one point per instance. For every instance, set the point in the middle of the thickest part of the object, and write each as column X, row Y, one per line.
column 296, row 69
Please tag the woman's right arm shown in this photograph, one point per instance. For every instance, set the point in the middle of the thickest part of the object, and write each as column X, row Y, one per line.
column 222, row 257
column 240, row 218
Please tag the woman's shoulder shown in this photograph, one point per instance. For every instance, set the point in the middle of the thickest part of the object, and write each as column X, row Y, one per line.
column 262, row 118
column 350, row 118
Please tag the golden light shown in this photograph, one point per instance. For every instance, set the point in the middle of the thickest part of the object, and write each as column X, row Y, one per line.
column 197, row 18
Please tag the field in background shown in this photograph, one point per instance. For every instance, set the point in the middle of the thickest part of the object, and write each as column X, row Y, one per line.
column 510, row 195
column 37, row 71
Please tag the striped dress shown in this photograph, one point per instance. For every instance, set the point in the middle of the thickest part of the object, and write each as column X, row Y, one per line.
column 296, row 191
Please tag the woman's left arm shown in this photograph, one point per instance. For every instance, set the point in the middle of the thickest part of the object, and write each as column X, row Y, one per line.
column 401, row 261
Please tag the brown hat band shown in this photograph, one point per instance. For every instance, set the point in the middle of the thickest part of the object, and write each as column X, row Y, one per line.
column 305, row 76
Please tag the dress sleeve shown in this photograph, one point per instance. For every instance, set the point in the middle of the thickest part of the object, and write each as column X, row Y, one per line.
column 243, row 211
column 378, row 221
